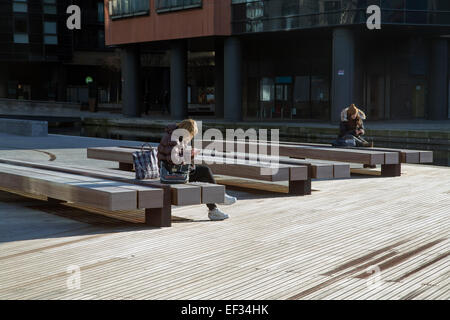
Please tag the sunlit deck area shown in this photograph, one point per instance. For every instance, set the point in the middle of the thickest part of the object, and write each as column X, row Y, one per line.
column 366, row 237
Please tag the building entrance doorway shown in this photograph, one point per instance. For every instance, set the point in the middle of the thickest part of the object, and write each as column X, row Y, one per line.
column 283, row 101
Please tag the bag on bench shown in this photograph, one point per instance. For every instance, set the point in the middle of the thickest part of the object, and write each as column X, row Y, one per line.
column 174, row 173
column 146, row 163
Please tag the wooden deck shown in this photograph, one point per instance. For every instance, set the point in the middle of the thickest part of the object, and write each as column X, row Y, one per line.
column 272, row 247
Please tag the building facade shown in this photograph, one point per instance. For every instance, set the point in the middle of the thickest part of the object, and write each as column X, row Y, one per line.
column 41, row 59
column 287, row 60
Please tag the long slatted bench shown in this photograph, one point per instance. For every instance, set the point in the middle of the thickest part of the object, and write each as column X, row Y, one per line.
column 106, row 188
column 297, row 175
column 389, row 161
column 318, row 169
column 90, row 192
column 406, row 155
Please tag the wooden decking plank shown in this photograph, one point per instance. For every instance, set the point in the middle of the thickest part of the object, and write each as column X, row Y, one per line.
column 288, row 258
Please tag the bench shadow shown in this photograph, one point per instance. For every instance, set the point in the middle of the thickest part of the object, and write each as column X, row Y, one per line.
column 242, row 193
column 25, row 218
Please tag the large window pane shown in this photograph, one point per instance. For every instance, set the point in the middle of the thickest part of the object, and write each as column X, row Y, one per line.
column 177, row 4
column 20, row 7
column 20, row 37
column 50, row 39
column 320, row 97
column 123, row 8
column 272, row 15
column 302, row 108
column 266, row 97
column 49, row 9
column 100, row 12
column 50, row 27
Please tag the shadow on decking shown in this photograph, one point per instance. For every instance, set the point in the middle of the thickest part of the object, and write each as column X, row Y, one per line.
column 17, row 224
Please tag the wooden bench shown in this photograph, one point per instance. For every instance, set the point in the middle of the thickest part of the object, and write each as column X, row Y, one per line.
column 297, row 175
column 106, row 189
column 406, row 155
column 389, row 161
column 318, row 169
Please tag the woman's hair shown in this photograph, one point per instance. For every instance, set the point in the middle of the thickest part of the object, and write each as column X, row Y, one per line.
column 189, row 125
column 351, row 111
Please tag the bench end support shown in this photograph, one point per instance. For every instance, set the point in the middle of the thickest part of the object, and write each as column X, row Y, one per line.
column 391, row 170
column 300, row 187
column 161, row 217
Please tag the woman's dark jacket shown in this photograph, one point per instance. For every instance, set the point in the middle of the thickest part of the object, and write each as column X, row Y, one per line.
column 166, row 145
column 349, row 126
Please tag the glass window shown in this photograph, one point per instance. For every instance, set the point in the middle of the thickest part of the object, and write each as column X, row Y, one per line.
column 169, row 5
column 100, row 12
column 267, row 98
column 20, row 29
column 20, row 6
column 50, row 33
column 20, row 37
column 125, row 8
column 50, row 39
column 302, row 107
column 271, row 15
column 267, row 89
column 320, row 97
column 50, row 27
column 50, row 6
column 101, row 38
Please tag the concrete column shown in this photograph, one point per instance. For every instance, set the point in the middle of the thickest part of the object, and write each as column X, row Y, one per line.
column 232, row 79
column 219, row 94
column 343, row 71
column 438, row 107
column 131, row 84
column 178, row 86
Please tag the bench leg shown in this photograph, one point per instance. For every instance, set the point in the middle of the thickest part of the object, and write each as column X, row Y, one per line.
column 161, row 217
column 391, row 170
column 300, row 188
column 125, row 166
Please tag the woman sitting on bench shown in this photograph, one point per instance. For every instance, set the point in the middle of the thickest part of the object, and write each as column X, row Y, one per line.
column 352, row 125
column 198, row 173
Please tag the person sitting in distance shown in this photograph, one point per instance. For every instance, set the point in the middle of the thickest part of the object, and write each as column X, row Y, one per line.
column 352, row 125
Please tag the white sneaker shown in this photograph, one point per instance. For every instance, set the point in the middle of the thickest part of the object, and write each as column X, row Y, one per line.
column 229, row 200
column 216, row 215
